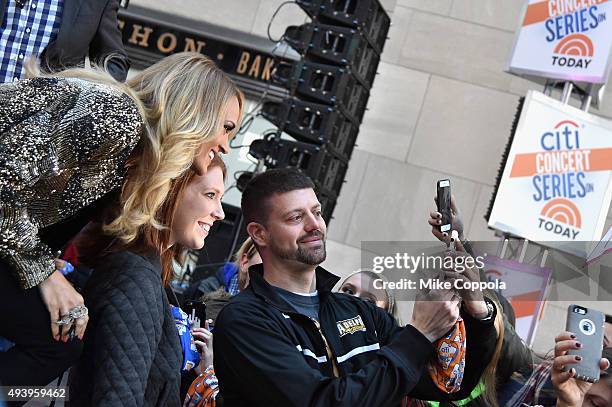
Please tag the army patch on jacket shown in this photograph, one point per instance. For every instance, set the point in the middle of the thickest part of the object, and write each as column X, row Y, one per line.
column 350, row 326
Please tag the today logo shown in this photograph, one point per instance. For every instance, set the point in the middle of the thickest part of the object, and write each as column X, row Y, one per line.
column 573, row 51
column 561, row 217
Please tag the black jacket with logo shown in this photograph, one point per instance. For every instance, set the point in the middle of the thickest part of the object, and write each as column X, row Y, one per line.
column 267, row 354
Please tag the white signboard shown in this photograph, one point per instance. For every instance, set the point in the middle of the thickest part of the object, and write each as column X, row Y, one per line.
column 526, row 286
column 564, row 39
column 557, row 182
column 603, row 248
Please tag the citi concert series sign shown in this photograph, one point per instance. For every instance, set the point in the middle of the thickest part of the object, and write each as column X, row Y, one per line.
column 557, row 181
column 564, row 39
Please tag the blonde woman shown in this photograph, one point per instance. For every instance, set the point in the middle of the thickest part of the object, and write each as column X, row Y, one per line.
column 65, row 144
column 361, row 284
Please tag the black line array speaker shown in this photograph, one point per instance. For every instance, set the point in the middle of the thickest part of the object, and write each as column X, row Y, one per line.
column 314, row 123
column 342, row 46
column 329, row 84
column 323, row 166
column 367, row 15
column 329, row 88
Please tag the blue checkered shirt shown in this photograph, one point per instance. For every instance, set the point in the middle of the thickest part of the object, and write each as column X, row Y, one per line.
column 233, row 285
column 26, row 31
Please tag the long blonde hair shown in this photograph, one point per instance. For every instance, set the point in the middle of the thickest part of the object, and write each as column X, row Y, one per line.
column 184, row 97
column 489, row 376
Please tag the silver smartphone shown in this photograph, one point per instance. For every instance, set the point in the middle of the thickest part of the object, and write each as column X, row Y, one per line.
column 588, row 325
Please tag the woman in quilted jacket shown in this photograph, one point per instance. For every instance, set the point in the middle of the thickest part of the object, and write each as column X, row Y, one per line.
column 132, row 354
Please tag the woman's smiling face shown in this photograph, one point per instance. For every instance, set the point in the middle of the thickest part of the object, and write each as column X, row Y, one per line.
column 199, row 207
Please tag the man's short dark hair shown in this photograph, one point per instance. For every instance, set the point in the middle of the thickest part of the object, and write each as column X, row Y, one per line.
column 263, row 186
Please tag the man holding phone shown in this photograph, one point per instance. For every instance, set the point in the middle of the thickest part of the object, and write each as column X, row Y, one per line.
column 288, row 340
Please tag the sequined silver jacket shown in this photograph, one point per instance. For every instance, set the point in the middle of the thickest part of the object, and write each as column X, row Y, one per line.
column 63, row 144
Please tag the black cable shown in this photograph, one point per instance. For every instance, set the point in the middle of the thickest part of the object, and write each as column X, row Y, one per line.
column 249, row 118
column 272, row 19
column 254, row 112
column 273, row 131
column 246, row 123
column 248, row 157
column 59, row 382
column 178, row 303
column 238, row 173
column 240, row 146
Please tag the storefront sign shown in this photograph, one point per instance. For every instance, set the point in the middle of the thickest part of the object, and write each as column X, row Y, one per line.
column 159, row 40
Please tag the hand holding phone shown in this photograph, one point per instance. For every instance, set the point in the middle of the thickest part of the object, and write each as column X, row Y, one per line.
column 578, row 356
column 203, row 339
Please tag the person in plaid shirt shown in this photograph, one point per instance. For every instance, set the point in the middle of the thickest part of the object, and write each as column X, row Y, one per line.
column 62, row 34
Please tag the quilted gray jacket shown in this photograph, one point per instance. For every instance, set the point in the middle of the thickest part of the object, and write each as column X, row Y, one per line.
column 132, row 354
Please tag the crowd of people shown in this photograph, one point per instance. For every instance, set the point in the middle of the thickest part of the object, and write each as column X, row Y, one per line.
column 122, row 177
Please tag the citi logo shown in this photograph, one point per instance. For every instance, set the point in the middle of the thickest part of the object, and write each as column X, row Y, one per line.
column 573, row 51
column 561, row 217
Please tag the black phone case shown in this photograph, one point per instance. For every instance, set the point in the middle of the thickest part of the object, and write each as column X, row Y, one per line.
column 588, row 369
column 200, row 309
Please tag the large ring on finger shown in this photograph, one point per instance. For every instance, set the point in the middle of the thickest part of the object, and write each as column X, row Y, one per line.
column 79, row 311
column 65, row 319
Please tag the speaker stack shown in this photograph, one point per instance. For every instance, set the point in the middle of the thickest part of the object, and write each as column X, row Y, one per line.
column 329, row 89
